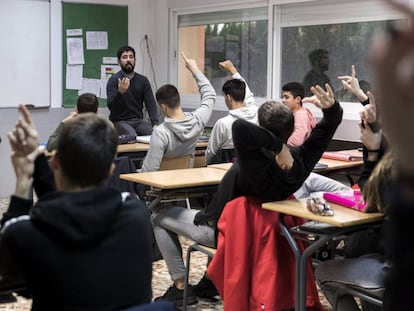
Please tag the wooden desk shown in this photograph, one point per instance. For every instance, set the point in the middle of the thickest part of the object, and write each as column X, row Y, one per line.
column 177, row 181
column 174, row 179
column 345, row 220
column 333, row 165
column 137, row 147
column 141, row 147
column 221, row 166
column 344, row 217
column 336, row 165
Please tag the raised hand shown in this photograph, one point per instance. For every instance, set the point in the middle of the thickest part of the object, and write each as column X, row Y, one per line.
column 322, row 99
column 369, row 114
column 123, row 85
column 228, row 66
column 351, row 84
column 24, row 138
column 190, row 64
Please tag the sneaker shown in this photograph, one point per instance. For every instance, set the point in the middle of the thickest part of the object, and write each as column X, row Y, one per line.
column 175, row 295
column 205, row 288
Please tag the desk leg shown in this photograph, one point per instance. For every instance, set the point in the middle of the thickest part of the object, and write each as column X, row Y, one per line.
column 292, row 242
column 301, row 261
column 154, row 203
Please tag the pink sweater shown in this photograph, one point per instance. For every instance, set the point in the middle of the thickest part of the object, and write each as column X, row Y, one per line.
column 304, row 123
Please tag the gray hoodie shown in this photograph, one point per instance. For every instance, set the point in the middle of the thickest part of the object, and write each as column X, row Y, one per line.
column 221, row 135
column 174, row 138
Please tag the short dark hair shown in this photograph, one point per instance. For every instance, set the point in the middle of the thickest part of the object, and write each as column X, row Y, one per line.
column 125, row 48
column 168, row 95
column 86, row 149
column 87, row 102
column 277, row 118
column 295, row 88
column 236, row 88
column 316, row 55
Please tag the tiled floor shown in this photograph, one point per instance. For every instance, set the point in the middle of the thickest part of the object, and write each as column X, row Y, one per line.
column 160, row 282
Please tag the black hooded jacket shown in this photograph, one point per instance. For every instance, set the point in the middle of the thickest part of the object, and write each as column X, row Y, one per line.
column 79, row 251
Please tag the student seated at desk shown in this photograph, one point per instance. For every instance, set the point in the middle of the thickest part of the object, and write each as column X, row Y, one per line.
column 264, row 158
column 267, row 169
column 85, row 246
column 87, row 102
column 178, row 134
column 292, row 95
column 364, row 266
column 240, row 102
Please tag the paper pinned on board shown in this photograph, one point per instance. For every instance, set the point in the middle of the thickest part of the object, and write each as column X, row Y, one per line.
column 96, row 40
column 74, row 75
column 75, row 51
column 106, row 72
column 73, row 32
column 90, row 86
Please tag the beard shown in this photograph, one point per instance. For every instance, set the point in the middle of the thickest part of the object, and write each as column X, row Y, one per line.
column 128, row 68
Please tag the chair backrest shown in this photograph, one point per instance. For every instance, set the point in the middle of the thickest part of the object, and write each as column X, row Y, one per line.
column 175, row 163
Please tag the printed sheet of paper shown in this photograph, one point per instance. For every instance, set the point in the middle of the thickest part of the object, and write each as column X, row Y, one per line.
column 90, row 86
column 74, row 75
column 96, row 40
column 75, row 51
column 106, row 72
column 73, row 32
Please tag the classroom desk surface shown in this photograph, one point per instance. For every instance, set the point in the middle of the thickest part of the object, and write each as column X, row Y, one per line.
column 334, row 165
column 343, row 217
column 221, row 166
column 141, row 147
column 182, row 178
column 344, row 221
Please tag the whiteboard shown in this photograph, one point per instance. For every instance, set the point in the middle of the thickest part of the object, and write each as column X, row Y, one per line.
column 24, row 53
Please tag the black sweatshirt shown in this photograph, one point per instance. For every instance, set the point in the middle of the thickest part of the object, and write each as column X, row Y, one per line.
column 256, row 172
column 88, row 250
column 130, row 104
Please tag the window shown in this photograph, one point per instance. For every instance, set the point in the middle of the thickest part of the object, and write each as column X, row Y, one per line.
column 322, row 39
column 238, row 35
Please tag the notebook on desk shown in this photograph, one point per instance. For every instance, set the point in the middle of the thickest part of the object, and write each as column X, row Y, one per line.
column 344, row 155
column 144, row 139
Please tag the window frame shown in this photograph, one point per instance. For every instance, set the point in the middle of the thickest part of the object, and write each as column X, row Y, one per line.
column 193, row 101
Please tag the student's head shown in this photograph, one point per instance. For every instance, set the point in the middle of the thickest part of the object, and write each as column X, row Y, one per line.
column 126, row 58
column 319, row 58
column 168, row 98
column 86, row 149
column 277, row 118
column 234, row 90
column 292, row 94
column 87, row 102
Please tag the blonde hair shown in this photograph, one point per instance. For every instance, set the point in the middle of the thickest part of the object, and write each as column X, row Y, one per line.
column 378, row 184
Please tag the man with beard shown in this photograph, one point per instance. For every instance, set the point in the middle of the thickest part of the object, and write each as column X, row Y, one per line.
column 127, row 92
column 319, row 60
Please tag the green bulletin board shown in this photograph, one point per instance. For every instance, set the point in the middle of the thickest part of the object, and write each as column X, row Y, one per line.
column 112, row 19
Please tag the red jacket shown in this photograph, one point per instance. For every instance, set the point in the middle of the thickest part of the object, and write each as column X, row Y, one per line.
column 254, row 266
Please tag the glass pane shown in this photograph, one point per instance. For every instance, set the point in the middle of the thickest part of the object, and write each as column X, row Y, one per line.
column 332, row 49
column 244, row 43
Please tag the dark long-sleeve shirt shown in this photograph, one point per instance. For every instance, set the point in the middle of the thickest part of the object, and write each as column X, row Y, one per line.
column 129, row 105
column 256, row 172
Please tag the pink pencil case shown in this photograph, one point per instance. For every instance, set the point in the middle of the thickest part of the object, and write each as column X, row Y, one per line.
column 354, row 201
